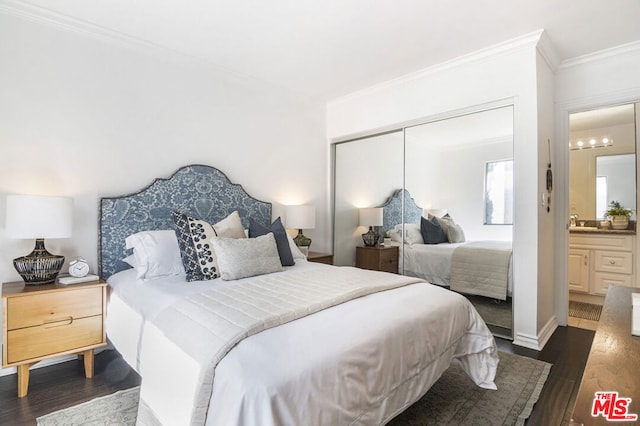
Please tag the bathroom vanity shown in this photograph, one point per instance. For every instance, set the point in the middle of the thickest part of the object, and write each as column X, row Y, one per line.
column 597, row 259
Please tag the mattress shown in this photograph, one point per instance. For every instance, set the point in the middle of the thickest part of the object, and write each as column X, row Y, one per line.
column 361, row 362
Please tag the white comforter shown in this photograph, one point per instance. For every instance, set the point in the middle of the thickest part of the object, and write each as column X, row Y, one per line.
column 360, row 362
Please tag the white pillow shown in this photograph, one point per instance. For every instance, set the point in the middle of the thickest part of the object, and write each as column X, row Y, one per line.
column 156, row 254
column 295, row 251
column 412, row 233
column 246, row 257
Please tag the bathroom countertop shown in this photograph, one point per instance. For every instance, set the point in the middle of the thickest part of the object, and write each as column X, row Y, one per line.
column 579, row 230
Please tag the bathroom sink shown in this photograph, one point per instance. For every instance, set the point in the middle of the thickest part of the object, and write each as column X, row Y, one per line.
column 583, row 228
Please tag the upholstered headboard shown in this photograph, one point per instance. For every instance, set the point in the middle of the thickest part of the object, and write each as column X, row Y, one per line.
column 392, row 210
column 199, row 191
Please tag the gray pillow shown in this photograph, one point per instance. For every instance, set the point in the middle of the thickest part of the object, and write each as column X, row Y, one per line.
column 452, row 230
column 246, row 257
column 256, row 229
column 432, row 232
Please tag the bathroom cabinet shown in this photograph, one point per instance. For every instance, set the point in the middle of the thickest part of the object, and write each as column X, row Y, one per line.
column 597, row 260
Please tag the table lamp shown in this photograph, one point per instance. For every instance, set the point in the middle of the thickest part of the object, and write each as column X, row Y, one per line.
column 39, row 217
column 301, row 217
column 371, row 217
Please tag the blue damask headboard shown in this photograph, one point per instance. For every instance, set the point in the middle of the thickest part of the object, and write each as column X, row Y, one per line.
column 203, row 192
column 392, row 210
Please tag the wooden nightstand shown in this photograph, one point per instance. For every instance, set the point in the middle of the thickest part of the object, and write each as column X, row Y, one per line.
column 41, row 322
column 318, row 257
column 378, row 258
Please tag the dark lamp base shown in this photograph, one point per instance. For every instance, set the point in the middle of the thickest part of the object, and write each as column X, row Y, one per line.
column 301, row 240
column 370, row 238
column 39, row 267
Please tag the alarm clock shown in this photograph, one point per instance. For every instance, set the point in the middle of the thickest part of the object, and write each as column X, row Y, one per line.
column 78, row 267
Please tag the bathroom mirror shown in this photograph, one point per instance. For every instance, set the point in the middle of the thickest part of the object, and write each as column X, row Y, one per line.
column 602, row 156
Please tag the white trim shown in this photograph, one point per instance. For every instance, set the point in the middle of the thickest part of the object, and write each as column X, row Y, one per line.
column 547, row 51
column 89, row 30
column 506, row 47
column 601, row 54
column 537, row 342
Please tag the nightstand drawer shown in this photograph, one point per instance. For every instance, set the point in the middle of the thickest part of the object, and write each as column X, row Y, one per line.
column 53, row 338
column 37, row 309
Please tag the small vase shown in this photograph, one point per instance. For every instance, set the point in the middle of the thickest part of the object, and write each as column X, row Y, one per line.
column 387, row 241
column 619, row 222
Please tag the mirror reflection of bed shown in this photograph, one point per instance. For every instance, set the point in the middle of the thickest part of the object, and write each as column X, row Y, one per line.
column 434, row 247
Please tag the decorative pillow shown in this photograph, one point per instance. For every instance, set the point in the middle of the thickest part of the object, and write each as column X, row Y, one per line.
column 230, row 227
column 247, row 257
column 455, row 234
column 432, row 232
column 452, row 230
column 256, row 230
column 412, row 233
column 194, row 239
column 155, row 254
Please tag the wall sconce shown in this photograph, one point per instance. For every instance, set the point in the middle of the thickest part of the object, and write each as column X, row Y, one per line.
column 371, row 217
column 38, row 217
column 301, row 217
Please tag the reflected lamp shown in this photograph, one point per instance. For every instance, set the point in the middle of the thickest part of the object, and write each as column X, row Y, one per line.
column 371, row 217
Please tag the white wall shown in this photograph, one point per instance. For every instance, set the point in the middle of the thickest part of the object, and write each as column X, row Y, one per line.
column 507, row 72
column 601, row 79
column 458, row 186
column 84, row 117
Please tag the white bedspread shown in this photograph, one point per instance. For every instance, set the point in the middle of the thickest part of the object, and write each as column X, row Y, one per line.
column 360, row 362
column 432, row 262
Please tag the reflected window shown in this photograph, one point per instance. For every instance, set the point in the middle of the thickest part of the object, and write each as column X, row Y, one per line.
column 498, row 193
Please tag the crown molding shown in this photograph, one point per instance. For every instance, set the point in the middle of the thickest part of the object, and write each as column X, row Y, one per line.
column 547, row 51
column 513, row 45
column 633, row 47
column 47, row 17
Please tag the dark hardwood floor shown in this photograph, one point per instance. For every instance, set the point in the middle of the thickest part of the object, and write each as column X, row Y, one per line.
column 63, row 385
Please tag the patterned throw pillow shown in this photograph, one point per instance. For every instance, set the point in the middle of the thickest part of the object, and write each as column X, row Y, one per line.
column 194, row 239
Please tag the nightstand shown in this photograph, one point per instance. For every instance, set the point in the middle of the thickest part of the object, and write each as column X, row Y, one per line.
column 318, row 257
column 45, row 321
column 378, row 258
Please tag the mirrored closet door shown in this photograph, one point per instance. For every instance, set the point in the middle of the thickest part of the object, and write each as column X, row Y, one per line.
column 457, row 175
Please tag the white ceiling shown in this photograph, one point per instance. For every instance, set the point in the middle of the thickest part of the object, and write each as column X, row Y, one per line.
column 328, row 48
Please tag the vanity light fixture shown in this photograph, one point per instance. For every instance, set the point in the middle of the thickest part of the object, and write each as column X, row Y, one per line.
column 593, row 143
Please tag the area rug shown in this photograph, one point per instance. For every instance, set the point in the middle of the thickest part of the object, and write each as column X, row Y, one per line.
column 453, row 400
column 584, row 310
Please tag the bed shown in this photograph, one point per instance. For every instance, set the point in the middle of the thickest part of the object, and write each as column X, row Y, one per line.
column 306, row 344
column 481, row 268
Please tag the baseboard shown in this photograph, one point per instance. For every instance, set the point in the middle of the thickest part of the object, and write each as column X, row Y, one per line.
column 537, row 342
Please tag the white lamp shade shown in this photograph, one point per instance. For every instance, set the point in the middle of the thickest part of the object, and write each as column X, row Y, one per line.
column 300, row 217
column 371, row 216
column 32, row 216
column 434, row 212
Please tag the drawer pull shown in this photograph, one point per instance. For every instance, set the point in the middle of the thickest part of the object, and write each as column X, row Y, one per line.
column 58, row 323
column 613, row 262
